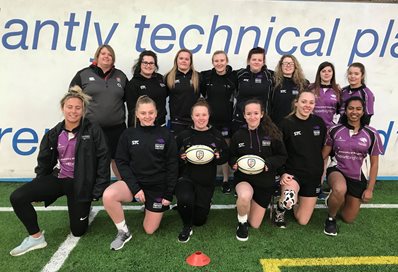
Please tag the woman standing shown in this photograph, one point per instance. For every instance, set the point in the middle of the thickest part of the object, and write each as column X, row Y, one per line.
column 254, row 82
column 73, row 160
column 327, row 93
column 183, row 86
column 106, row 86
column 356, row 79
column 146, row 81
column 304, row 136
column 147, row 159
column 289, row 82
column 218, row 87
column 262, row 138
column 351, row 141
column 195, row 188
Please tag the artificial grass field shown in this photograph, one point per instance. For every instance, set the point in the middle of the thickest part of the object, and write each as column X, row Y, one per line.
column 373, row 234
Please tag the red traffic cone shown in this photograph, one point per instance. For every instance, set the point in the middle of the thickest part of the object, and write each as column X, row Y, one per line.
column 198, row 259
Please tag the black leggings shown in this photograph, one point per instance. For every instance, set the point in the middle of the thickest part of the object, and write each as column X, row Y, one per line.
column 193, row 202
column 48, row 188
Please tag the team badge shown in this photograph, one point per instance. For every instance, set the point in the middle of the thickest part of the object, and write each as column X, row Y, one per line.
column 266, row 143
column 199, row 154
column 251, row 163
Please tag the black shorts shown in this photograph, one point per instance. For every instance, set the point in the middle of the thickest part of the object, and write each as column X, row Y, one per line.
column 112, row 135
column 354, row 187
column 153, row 201
column 261, row 195
column 309, row 186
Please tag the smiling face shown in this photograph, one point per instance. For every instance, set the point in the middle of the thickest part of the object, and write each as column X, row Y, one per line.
column 73, row 110
column 326, row 75
column 355, row 77
column 147, row 66
column 105, row 59
column 354, row 112
column 305, row 105
column 288, row 67
column 256, row 62
column 220, row 63
column 200, row 117
column 184, row 62
column 146, row 114
column 253, row 115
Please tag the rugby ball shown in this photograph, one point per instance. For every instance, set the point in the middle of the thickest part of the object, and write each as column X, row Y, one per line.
column 199, row 154
column 251, row 164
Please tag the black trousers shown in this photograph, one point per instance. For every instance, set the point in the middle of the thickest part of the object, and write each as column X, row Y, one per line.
column 47, row 188
column 193, row 202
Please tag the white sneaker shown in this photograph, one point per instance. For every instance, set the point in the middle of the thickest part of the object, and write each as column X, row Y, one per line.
column 29, row 244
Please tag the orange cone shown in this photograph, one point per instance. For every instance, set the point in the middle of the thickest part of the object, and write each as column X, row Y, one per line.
column 198, row 259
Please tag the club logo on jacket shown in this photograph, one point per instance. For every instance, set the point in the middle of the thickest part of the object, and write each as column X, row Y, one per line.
column 176, row 81
column 143, row 87
column 317, row 131
column 258, row 80
column 162, row 85
column 295, row 92
column 297, row 133
column 159, row 144
column 91, row 78
column 283, row 91
column 86, row 137
column 241, row 145
column 135, row 142
column 266, row 143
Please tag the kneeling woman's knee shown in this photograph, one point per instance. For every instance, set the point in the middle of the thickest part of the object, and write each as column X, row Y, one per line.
column 150, row 230
column 16, row 197
column 109, row 195
column 78, row 232
column 245, row 196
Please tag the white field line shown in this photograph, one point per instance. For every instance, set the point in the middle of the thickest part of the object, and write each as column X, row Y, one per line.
column 60, row 256
column 213, row 207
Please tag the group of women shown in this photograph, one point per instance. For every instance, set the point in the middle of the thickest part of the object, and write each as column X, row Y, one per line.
column 277, row 116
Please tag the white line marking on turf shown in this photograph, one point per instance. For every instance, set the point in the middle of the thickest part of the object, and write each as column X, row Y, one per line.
column 60, row 256
column 213, row 207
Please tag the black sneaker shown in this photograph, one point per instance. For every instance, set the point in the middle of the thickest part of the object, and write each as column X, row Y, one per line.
column 226, row 189
column 242, row 232
column 185, row 234
column 279, row 219
column 330, row 227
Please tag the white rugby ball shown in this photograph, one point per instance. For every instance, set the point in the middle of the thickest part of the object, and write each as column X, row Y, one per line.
column 199, row 154
column 250, row 164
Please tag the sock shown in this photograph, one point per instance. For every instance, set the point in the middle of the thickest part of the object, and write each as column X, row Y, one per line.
column 242, row 218
column 279, row 207
column 122, row 226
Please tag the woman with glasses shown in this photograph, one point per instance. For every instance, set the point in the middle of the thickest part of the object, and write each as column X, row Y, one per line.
column 183, row 87
column 146, row 81
column 289, row 82
column 106, row 85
